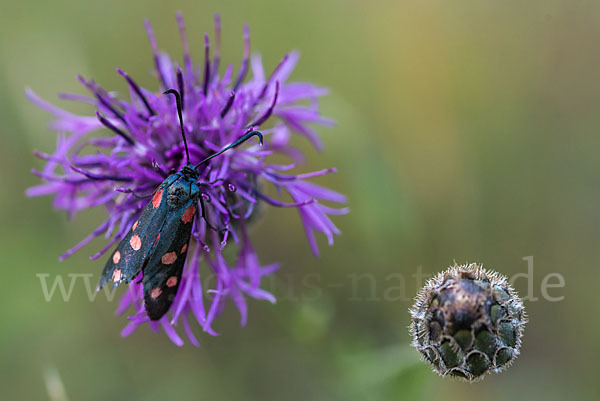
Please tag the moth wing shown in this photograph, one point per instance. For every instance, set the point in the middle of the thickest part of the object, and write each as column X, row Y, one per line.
column 162, row 274
column 137, row 246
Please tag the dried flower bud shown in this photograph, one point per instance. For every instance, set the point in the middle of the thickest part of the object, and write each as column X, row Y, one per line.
column 468, row 321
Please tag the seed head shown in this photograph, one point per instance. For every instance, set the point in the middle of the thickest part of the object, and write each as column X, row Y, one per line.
column 468, row 321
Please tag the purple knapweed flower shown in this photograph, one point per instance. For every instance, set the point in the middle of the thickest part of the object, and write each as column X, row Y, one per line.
column 86, row 171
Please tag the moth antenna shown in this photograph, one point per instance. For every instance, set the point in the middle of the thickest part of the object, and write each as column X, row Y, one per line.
column 181, row 88
column 233, row 145
column 178, row 101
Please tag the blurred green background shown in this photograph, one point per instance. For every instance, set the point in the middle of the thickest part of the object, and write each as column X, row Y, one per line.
column 467, row 131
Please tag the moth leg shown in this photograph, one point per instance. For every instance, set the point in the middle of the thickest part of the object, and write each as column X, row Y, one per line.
column 209, row 184
column 204, row 216
column 141, row 196
column 132, row 192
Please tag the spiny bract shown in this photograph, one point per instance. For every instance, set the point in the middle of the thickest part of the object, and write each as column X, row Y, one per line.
column 468, row 321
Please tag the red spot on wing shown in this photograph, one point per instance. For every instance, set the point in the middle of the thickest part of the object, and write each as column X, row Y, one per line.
column 134, row 225
column 157, row 198
column 172, row 281
column 188, row 215
column 116, row 257
column 156, row 293
column 135, row 242
column 169, row 258
column 183, row 248
column 156, row 239
column 116, row 277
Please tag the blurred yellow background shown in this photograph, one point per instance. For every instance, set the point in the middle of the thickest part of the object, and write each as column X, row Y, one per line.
column 467, row 131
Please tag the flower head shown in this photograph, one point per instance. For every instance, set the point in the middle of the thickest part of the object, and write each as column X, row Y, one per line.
column 468, row 321
column 116, row 171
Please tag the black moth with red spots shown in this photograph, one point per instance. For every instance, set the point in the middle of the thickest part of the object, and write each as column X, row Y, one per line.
column 157, row 243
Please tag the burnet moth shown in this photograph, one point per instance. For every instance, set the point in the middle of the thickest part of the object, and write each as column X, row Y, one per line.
column 158, row 241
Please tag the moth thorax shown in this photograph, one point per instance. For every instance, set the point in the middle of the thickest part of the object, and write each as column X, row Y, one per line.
column 177, row 195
